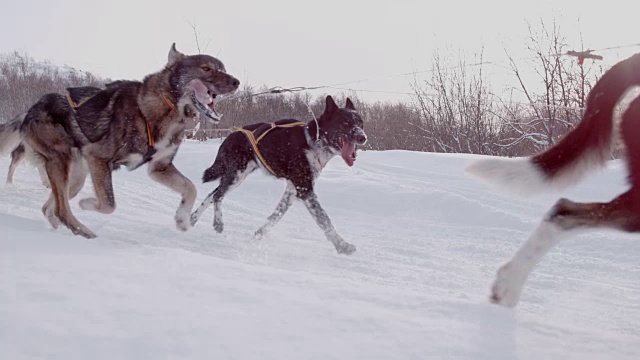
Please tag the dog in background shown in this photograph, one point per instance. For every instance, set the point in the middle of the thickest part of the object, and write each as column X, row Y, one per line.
column 585, row 148
column 10, row 142
column 290, row 150
column 10, row 139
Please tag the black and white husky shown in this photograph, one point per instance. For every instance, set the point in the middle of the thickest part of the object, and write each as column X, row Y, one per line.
column 294, row 151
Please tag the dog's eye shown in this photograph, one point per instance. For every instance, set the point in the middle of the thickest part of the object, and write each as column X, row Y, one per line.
column 206, row 68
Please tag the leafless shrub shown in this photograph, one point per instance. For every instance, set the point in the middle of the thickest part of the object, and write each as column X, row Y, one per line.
column 23, row 81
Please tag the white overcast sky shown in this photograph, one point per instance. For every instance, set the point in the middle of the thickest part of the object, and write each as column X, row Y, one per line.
column 301, row 43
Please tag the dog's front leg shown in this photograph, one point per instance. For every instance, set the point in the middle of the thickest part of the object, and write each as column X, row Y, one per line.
column 322, row 219
column 167, row 175
column 279, row 212
column 511, row 276
column 105, row 201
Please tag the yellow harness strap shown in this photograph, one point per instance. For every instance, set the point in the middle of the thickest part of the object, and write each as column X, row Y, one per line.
column 151, row 140
column 72, row 103
column 167, row 102
column 254, row 142
column 150, row 137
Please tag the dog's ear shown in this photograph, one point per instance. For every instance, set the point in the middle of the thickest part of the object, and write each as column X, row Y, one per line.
column 174, row 55
column 330, row 106
column 349, row 105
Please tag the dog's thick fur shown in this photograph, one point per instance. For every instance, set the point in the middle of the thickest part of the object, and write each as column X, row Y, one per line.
column 585, row 148
column 11, row 140
column 294, row 154
column 109, row 129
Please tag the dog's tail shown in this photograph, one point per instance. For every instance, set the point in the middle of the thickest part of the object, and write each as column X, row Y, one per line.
column 10, row 134
column 582, row 150
column 214, row 172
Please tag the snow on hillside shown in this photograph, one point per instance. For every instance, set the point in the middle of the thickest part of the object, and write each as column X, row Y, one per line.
column 428, row 238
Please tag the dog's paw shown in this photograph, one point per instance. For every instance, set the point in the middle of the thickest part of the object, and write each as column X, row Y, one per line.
column 194, row 219
column 52, row 218
column 218, row 226
column 507, row 286
column 88, row 204
column 92, row 204
column 182, row 224
column 258, row 235
column 183, row 221
column 84, row 231
column 345, row 248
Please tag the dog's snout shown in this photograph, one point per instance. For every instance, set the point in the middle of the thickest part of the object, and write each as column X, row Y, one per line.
column 234, row 82
column 358, row 136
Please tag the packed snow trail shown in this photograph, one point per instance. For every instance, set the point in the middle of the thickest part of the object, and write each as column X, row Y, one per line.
column 428, row 237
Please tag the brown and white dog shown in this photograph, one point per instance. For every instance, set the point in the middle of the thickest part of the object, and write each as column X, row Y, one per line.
column 129, row 123
column 584, row 149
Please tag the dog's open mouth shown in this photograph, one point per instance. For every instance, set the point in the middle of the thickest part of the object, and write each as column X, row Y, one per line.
column 348, row 151
column 206, row 106
column 203, row 100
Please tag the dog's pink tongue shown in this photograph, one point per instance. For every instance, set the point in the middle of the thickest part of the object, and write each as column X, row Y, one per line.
column 348, row 148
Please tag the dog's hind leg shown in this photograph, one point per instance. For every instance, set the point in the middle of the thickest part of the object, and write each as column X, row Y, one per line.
column 278, row 213
column 167, row 175
column 105, row 201
column 511, row 276
column 58, row 171
column 78, row 176
column 49, row 207
column 17, row 155
column 43, row 175
column 310, row 200
column 208, row 201
column 48, row 210
column 228, row 182
column 215, row 198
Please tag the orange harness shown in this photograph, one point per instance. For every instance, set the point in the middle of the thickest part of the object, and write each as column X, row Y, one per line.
column 254, row 141
column 150, row 137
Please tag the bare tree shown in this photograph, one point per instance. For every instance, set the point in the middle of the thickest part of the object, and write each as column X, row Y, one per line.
column 457, row 106
column 452, row 110
column 23, row 81
column 197, row 37
column 565, row 84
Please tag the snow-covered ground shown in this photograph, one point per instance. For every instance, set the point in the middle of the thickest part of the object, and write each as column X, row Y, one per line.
column 429, row 239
